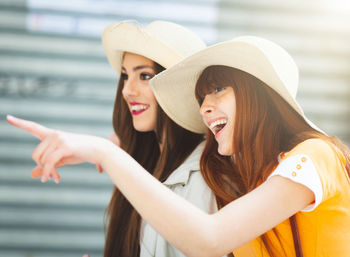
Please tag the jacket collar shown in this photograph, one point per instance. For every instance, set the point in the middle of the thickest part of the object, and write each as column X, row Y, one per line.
column 181, row 174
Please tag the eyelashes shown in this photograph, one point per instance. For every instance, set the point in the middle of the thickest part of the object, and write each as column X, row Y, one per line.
column 124, row 76
column 214, row 90
column 142, row 76
column 219, row 89
column 146, row 76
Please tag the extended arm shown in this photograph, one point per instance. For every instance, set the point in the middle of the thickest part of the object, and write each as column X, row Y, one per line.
column 185, row 226
column 195, row 232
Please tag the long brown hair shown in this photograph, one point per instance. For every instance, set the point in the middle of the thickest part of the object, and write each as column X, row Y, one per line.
column 124, row 223
column 265, row 126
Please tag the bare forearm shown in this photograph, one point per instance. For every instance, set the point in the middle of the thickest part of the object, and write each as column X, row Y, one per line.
column 181, row 223
column 191, row 230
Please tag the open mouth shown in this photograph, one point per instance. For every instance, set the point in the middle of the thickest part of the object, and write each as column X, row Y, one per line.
column 217, row 126
column 137, row 108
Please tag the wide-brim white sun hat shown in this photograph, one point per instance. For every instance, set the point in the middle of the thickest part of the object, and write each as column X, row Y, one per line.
column 161, row 41
column 259, row 57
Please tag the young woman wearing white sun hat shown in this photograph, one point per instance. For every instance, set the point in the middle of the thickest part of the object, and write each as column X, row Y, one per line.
column 166, row 150
column 282, row 185
column 289, row 181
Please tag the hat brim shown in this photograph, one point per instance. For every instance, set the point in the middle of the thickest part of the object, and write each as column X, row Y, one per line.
column 178, row 97
column 123, row 37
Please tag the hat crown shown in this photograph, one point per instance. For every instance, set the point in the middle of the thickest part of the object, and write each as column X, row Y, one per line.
column 280, row 60
column 176, row 37
column 160, row 41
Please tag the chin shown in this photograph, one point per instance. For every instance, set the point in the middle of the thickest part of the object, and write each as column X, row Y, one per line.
column 225, row 151
column 143, row 127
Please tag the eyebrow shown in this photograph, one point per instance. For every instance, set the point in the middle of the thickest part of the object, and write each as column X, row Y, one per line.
column 140, row 67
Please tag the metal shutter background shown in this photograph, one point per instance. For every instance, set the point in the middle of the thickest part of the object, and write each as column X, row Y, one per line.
column 53, row 70
column 317, row 35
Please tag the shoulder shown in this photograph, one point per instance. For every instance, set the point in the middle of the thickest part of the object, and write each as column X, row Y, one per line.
column 323, row 155
column 308, row 164
column 187, row 181
column 315, row 148
column 181, row 175
column 318, row 164
column 312, row 144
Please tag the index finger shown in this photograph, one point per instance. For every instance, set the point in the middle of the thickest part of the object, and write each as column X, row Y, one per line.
column 33, row 128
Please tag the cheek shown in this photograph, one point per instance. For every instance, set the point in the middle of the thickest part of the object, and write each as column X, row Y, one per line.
column 123, row 93
column 154, row 101
column 155, row 110
column 150, row 96
column 124, row 97
column 233, row 112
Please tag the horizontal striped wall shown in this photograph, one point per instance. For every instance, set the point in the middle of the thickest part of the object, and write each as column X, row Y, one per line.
column 53, row 70
column 317, row 35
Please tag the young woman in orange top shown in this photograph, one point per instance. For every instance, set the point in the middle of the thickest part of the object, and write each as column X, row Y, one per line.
column 282, row 184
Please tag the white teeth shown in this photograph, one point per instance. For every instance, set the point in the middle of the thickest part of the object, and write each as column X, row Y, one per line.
column 139, row 107
column 217, row 122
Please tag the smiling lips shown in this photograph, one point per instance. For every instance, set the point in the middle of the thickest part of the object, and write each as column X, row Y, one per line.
column 217, row 125
column 138, row 108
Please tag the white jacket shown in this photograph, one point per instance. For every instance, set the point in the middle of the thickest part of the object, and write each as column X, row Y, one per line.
column 187, row 182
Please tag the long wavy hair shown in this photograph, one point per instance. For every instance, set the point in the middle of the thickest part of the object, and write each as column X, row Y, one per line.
column 265, row 126
column 122, row 222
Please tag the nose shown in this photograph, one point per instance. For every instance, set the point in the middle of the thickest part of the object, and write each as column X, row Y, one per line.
column 130, row 88
column 207, row 105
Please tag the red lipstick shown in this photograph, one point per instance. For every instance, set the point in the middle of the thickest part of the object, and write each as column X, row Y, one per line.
column 135, row 110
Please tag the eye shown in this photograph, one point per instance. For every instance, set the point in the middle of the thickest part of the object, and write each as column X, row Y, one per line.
column 218, row 89
column 146, row 76
column 124, row 76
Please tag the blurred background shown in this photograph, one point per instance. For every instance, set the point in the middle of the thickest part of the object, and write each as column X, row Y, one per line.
column 53, row 70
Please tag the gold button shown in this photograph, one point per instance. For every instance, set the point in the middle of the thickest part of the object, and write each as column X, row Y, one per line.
column 294, row 173
column 303, row 159
column 298, row 166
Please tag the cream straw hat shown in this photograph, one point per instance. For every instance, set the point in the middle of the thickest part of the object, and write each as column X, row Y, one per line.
column 257, row 56
column 163, row 42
